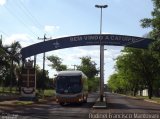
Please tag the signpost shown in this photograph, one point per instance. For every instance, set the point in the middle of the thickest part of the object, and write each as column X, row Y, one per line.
column 28, row 87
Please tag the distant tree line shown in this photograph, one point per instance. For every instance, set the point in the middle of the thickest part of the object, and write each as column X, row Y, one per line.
column 138, row 69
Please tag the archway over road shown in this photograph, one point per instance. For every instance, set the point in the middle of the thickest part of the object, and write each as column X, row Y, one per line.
column 85, row 40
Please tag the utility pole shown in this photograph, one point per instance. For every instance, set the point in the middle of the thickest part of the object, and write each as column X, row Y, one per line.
column 1, row 40
column 43, row 82
column 1, row 36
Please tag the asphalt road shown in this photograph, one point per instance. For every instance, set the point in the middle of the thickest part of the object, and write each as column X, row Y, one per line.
column 119, row 107
column 52, row 110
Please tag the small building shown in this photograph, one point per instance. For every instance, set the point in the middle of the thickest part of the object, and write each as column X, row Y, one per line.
column 143, row 92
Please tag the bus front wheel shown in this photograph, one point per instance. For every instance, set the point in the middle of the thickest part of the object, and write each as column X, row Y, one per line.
column 61, row 103
column 85, row 99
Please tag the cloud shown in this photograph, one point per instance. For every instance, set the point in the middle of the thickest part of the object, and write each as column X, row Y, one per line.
column 34, row 28
column 24, row 39
column 50, row 29
column 2, row 2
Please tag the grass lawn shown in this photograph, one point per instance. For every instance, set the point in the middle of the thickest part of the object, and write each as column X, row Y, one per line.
column 23, row 102
column 49, row 92
column 157, row 99
column 7, row 90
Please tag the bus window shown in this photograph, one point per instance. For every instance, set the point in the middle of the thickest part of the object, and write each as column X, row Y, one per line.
column 69, row 84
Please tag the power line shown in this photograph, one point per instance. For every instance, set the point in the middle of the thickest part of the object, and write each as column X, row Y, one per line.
column 34, row 19
column 21, row 21
column 1, row 37
column 29, row 15
column 4, row 33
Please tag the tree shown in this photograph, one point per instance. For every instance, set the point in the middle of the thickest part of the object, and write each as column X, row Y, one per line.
column 56, row 63
column 141, row 68
column 129, row 67
column 154, row 23
column 88, row 67
column 113, row 82
column 138, row 68
column 14, row 55
column 4, row 64
column 41, row 83
column 10, row 58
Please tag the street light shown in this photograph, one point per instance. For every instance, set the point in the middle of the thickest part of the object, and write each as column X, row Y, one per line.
column 101, row 56
column 101, row 6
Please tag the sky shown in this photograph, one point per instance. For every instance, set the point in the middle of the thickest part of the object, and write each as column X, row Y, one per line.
column 26, row 20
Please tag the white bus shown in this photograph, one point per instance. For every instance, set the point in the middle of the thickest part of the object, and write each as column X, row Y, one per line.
column 71, row 87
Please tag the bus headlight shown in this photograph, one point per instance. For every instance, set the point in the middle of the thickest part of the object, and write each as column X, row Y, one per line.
column 56, row 100
column 79, row 99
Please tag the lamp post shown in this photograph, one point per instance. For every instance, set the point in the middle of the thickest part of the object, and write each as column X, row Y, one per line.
column 101, row 56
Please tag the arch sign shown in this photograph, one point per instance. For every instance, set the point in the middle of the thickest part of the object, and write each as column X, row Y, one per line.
column 85, row 40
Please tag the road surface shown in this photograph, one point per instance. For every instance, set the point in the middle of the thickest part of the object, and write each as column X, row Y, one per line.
column 122, row 106
column 52, row 110
column 119, row 107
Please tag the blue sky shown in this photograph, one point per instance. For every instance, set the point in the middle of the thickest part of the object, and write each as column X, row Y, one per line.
column 26, row 20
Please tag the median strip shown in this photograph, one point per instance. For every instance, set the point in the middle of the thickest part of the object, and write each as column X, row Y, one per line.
column 100, row 105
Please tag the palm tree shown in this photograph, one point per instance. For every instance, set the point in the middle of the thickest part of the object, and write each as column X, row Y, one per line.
column 15, row 58
column 4, row 64
column 1, row 62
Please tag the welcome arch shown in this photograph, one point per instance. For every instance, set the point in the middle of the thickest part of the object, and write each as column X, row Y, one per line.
column 85, row 40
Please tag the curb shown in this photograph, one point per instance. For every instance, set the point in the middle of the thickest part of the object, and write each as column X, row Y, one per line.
column 100, row 105
column 147, row 100
column 42, row 101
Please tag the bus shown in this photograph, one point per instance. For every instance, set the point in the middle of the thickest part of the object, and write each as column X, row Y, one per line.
column 71, row 87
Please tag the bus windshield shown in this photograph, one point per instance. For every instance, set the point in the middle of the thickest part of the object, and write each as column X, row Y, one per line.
column 68, row 84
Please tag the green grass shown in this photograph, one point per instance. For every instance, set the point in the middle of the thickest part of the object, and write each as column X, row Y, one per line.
column 143, row 97
column 49, row 92
column 23, row 102
column 157, row 99
column 7, row 90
